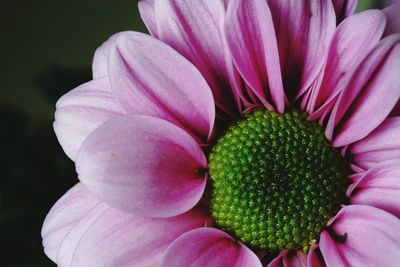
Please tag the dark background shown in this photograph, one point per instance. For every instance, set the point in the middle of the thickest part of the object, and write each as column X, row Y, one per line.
column 46, row 50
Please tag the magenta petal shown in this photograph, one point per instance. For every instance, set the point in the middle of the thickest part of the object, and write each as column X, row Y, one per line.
column 370, row 95
column 208, row 247
column 344, row 8
column 304, row 30
column 392, row 13
column 345, row 53
column 371, row 238
column 146, row 9
column 382, row 144
column 148, row 77
column 144, row 166
column 379, row 187
column 289, row 259
column 194, row 28
column 81, row 111
column 251, row 39
column 63, row 216
column 315, row 258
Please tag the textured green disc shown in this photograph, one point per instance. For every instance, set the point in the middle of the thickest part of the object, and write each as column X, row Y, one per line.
column 276, row 181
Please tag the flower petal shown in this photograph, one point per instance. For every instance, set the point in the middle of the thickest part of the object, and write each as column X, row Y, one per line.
column 345, row 53
column 382, row 144
column 208, row 247
column 146, row 9
column 63, row 216
column 289, row 259
column 144, row 166
column 315, row 258
column 148, row 77
column 379, row 187
column 251, row 39
column 81, row 111
column 304, row 30
column 344, row 8
column 392, row 13
column 371, row 238
column 194, row 28
column 369, row 96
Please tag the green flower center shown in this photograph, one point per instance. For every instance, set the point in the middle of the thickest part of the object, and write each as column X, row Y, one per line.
column 276, row 181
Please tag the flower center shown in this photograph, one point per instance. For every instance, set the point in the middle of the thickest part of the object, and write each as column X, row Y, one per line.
column 276, row 181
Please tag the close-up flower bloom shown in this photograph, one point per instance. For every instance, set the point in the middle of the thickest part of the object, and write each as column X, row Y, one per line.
column 239, row 133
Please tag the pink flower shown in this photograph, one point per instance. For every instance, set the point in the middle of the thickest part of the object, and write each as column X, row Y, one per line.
column 215, row 141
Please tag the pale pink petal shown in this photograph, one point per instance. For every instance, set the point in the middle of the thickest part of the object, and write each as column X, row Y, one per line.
column 149, row 77
column 315, row 258
column 146, row 10
column 366, row 236
column 114, row 238
column 370, row 95
column 289, row 259
column 344, row 8
column 392, row 13
column 303, row 30
column 63, row 216
column 81, row 111
column 144, row 166
column 379, row 187
column 381, row 145
column 195, row 29
column 251, row 39
column 345, row 53
column 100, row 59
column 208, row 247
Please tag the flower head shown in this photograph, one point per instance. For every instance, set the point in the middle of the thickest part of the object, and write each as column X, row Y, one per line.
column 240, row 133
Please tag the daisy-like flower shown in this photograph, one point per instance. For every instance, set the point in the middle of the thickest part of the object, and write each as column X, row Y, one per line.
column 240, row 133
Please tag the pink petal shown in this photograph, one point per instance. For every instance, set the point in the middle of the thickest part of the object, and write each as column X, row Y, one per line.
column 81, row 111
column 379, row 187
column 144, row 166
column 289, row 259
column 148, row 77
column 146, row 9
column 304, row 30
column 208, row 247
column 345, row 53
column 250, row 34
column 371, row 238
column 369, row 96
column 392, row 13
column 63, row 216
column 344, row 8
column 381, row 145
column 315, row 258
column 194, row 28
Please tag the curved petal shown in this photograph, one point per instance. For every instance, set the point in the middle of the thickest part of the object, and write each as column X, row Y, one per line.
column 146, row 10
column 345, row 53
column 303, row 30
column 379, row 187
column 81, row 111
column 289, row 259
column 194, row 28
column 382, row 144
column 369, row 237
column 63, row 216
column 251, row 40
column 144, row 166
column 208, row 247
column 315, row 258
column 344, row 8
column 148, row 77
column 392, row 13
column 369, row 96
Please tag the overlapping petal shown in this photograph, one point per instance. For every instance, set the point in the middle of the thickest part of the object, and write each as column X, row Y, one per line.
column 81, row 111
column 144, row 166
column 149, row 77
column 367, row 237
column 303, row 30
column 289, row 259
column 249, row 28
column 208, row 247
column 392, row 13
column 344, row 8
column 370, row 95
column 146, row 9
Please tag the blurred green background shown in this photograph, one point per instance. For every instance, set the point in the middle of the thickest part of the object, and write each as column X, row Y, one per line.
column 47, row 48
